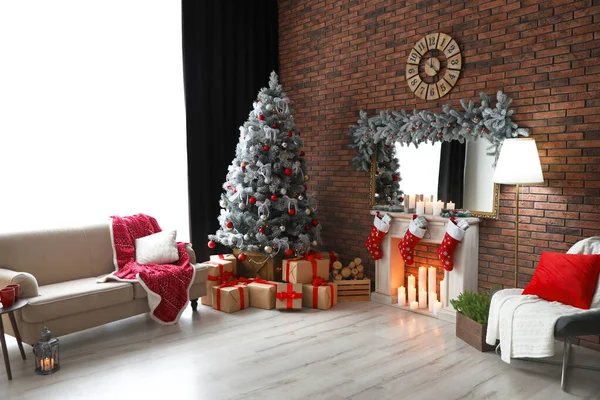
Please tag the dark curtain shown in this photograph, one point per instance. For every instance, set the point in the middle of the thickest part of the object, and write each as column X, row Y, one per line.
column 229, row 50
column 452, row 172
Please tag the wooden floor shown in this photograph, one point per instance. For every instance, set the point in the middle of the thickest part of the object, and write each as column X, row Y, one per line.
column 360, row 350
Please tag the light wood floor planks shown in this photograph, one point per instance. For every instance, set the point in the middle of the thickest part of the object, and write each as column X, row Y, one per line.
column 357, row 350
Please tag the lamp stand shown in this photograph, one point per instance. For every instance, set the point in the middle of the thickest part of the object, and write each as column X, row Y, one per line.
column 517, row 239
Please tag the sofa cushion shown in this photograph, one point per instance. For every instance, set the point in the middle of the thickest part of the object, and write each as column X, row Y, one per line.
column 157, row 248
column 201, row 277
column 76, row 296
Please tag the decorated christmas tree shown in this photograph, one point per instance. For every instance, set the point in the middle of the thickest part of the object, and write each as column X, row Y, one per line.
column 265, row 204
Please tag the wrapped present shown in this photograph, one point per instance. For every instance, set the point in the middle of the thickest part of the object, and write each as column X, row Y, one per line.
column 258, row 264
column 230, row 297
column 225, row 257
column 319, row 294
column 305, row 270
column 289, row 296
column 218, row 272
column 332, row 256
column 262, row 293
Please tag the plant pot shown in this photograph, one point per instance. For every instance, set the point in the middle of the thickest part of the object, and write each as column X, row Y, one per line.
column 258, row 264
column 472, row 332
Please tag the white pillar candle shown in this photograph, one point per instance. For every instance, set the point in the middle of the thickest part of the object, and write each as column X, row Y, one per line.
column 420, row 208
column 450, row 205
column 428, row 207
column 437, row 207
column 437, row 306
column 423, row 298
column 432, row 301
column 431, row 280
column 422, row 278
column 411, row 201
column 443, row 292
column 411, row 281
column 401, row 296
column 412, row 294
column 414, row 305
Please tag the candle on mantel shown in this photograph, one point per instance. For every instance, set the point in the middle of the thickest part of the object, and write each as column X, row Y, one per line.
column 432, row 280
column 437, row 306
column 422, row 278
column 422, row 298
column 414, row 305
column 411, row 201
column 412, row 294
column 443, row 292
column 437, row 207
column 420, row 210
column 428, row 207
column 401, row 296
column 411, row 281
column 450, row 205
column 432, row 301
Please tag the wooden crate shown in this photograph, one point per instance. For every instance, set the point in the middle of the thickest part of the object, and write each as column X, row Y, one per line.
column 472, row 332
column 355, row 290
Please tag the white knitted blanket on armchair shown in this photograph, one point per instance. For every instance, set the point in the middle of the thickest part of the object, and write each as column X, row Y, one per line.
column 525, row 324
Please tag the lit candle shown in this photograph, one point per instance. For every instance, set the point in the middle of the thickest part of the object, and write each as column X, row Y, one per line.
column 46, row 364
column 414, row 305
column 431, row 280
column 412, row 294
column 411, row 281
column 412, row 199
column 422, row 278
column 437, row 306
column 401, row 296
column 432, row 301
column 422, row 298
column 437, row 207
column 52, row 363
column 420, row 208
column 428, row 207
column 450, row 205
column 443, row 292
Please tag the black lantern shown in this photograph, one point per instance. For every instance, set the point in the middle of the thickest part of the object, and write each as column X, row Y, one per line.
column 46, row 354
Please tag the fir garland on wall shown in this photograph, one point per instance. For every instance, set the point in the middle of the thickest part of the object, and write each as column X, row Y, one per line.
column 377, row 135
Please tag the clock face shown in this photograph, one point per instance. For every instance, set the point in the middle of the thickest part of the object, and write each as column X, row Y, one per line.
column 433, row 66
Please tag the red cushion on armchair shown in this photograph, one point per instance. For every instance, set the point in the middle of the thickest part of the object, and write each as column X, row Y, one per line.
column 568, row 278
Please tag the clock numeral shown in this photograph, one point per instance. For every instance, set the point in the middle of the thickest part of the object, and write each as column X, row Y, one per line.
column 454, row 62
column 452, row 49
column 414, row 57
column 421, row 47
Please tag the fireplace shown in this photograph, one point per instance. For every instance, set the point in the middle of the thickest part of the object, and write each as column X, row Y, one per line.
column 390, row 269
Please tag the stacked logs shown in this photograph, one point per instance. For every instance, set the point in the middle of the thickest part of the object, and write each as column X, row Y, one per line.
column 354, row 270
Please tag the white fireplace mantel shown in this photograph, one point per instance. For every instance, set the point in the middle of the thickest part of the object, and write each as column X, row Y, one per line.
column 389, row 270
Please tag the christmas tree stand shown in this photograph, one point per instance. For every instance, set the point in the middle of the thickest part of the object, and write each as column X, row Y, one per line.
column 258, row 264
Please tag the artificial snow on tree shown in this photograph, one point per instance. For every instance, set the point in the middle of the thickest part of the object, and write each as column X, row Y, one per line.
column 265, row 205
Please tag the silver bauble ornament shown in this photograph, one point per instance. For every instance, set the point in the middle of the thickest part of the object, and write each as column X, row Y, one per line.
column 246, row 237
column 300, row 197
column 284, row 145
column 267, row 181
column 307, row 211
column 269, row 107
column 376, row 195
column 314, row 243
column 222, row 203
column 282, row 228
column 242, row 206
column 283, row 191
column 268, row 249
column 263, row 217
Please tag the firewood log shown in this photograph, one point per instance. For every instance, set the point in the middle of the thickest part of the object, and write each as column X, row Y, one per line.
column 337, row 265
column 338, row 277
column 351, row 264
column 346, row 272
column 360, row 268
column 357, row 261
column 360, row 275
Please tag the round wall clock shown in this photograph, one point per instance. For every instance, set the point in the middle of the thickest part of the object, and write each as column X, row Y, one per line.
column 433, row 66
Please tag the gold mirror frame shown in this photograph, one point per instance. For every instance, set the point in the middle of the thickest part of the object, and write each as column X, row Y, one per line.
column 480, row 214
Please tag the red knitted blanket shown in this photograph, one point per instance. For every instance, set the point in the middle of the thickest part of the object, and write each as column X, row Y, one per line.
column 167, row 285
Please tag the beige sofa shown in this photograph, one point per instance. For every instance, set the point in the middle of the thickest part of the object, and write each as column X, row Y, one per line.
column 57, row 271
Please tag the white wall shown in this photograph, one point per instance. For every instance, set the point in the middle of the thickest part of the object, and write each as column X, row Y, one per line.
column 92, row 119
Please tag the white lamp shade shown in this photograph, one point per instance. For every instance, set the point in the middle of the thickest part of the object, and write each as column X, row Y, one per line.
column 518, row 163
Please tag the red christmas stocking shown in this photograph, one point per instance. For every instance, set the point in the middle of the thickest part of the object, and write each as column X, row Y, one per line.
column 455, row 232
column 415, row 232
column 381, row 226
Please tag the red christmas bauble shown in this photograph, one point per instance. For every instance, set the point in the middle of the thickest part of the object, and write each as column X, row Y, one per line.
column 298, row 133
column 266, row 147
column 273, row 197
column 304, row 186
column 211, row 244
column 252, row 200
column 395, row 177
column 229, row 224
column 288, row 171
column 289, row 133
column 307, row 227
column 302, row 154
column 315, row 222
column 242, row 257
column 234, row 190
column 401, row 199
column 275, row 125
column 261, row 117
column 289, row 252
column 292, row 211
column 261, row 230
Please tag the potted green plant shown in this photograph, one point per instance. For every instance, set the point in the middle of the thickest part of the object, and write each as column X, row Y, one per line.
column 472, row 309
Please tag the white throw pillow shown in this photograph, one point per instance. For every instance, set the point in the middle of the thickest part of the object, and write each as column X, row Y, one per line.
column 158, row 248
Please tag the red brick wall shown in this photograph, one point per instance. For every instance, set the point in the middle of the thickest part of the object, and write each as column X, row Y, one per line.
column 338, row 57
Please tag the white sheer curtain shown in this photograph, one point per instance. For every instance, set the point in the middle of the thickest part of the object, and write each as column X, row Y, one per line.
column 92, row 119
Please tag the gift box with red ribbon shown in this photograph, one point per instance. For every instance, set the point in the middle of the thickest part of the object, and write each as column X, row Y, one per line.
column 304, row 270
column 218, row 272
column 319, row 294
column 289, row 296
column 230, row 297
column 332, row 256
column 262, row 293
column 225, row 257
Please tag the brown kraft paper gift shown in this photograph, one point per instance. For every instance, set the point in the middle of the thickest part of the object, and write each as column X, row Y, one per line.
column 304, row 270
column 218, row 272
column 289, row 296
column 321, row 295
column 230, row 297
